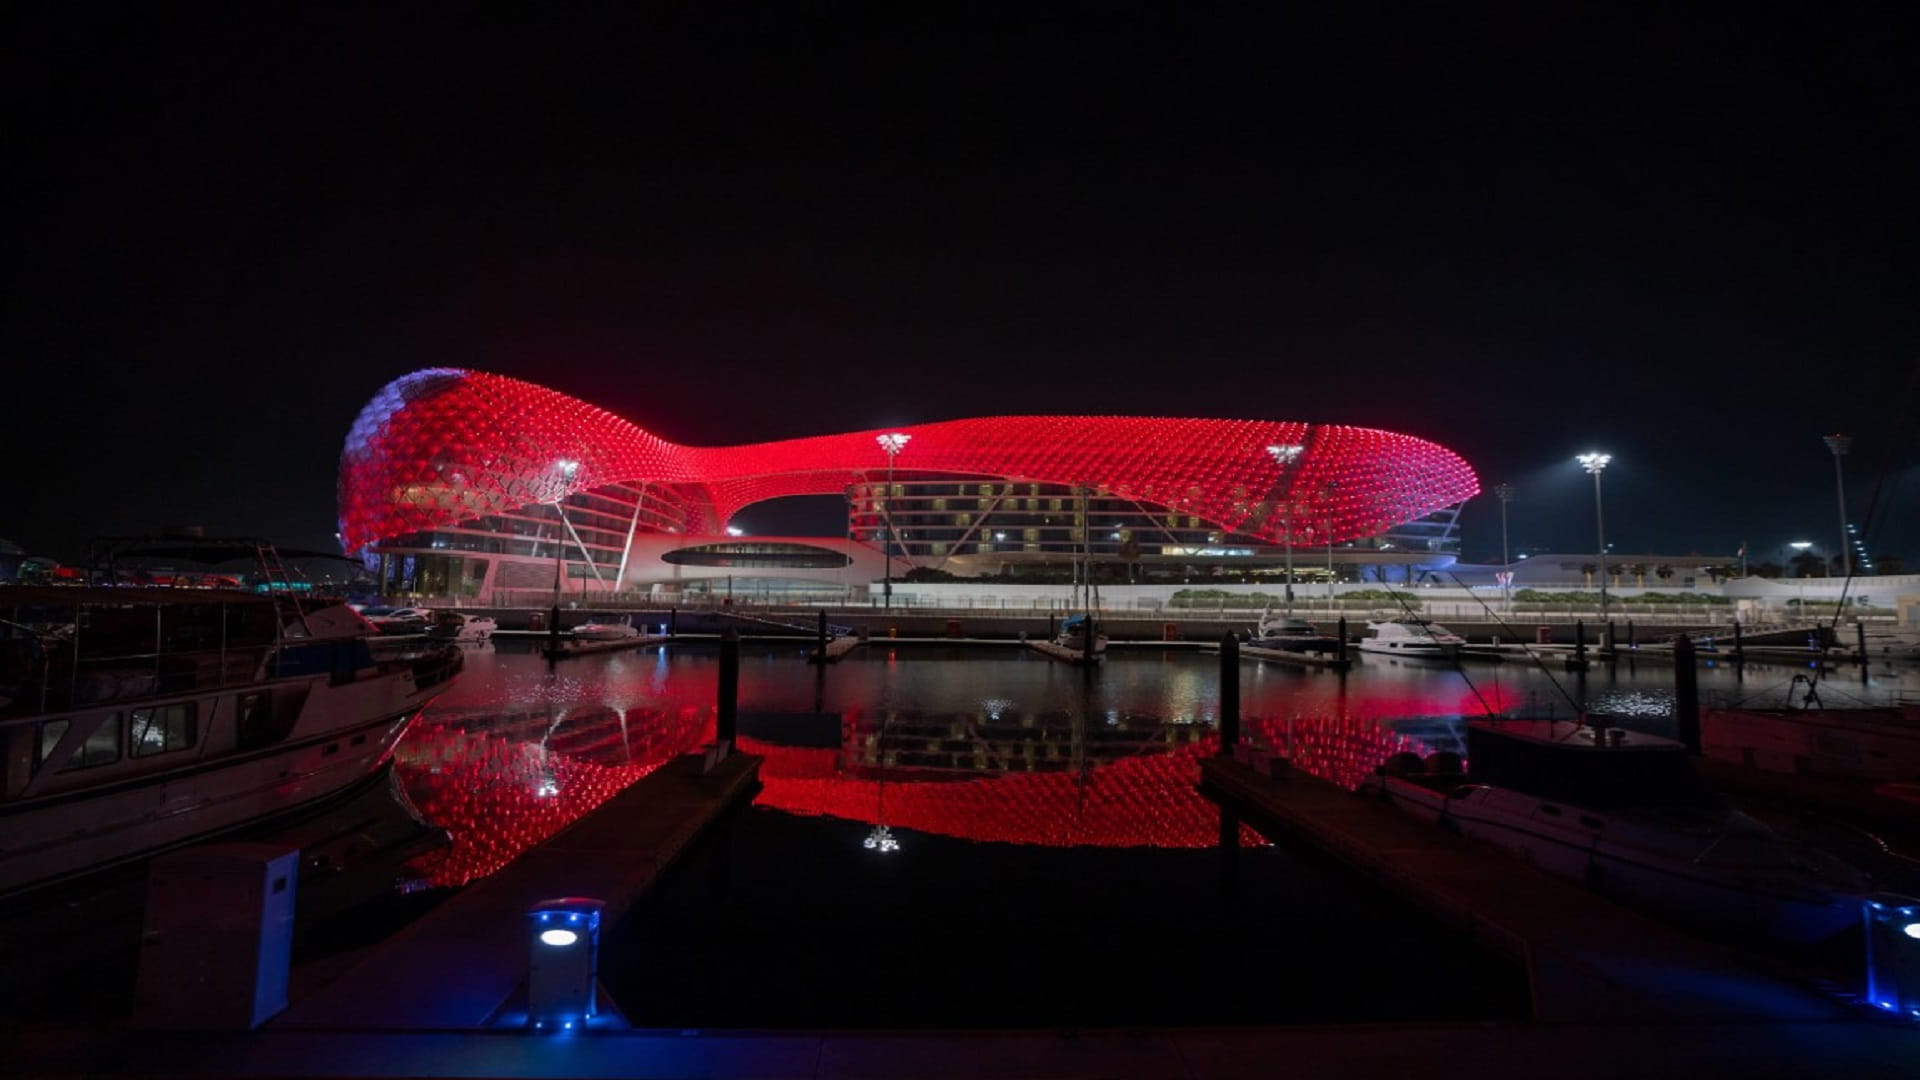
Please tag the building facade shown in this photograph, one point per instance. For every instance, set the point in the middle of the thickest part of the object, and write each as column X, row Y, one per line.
column 467, row 484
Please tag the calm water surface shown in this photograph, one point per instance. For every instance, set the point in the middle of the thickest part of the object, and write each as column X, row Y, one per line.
column 1055, row 866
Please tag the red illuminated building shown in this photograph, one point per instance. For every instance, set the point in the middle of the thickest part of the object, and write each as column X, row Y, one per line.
column 465, row 482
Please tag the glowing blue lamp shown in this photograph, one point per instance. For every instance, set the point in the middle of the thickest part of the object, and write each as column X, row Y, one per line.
column 564, row 963
column 1893, row 953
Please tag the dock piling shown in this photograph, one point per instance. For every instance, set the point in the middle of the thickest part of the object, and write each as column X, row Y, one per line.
column 729, row 690
column 1686, row 694
column 1229, row 693
column 1341, row 651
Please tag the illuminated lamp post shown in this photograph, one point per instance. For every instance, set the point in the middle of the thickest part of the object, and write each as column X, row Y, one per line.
column 1504, row 492
column 566, row 468
column 1594, row 463
column 1284, row 456
column 1839, row 445
column 891, row 443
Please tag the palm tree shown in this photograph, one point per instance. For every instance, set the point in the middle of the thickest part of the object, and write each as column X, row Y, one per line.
column 1639, row 571
column 1664, row 573
column 1588, row 570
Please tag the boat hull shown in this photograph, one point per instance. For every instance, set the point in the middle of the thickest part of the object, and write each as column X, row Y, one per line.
column 59, row 835
column 1675, row 877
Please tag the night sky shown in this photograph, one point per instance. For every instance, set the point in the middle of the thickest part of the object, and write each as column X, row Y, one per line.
column 1684, row 236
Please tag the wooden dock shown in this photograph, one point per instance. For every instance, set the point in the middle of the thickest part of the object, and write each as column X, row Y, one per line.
column 1061, row 652
column 1297, row 659
column 456, row 966
column 1587, row 958
column 836, row 650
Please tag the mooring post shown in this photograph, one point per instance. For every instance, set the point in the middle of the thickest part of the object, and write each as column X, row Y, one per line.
column 553, row 633
column 822, row 633
column 1612, row 644
column 1860, row 634
column 1580, row 641
column 1229, row 693
column 1632, row 642
column 673, row 622
column 1686, row 694
column 1341, row 650
column 1739, row 648
column 1051, row 632
column 729, row 691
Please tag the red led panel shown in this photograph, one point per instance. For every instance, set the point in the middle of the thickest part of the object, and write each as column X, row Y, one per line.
column 444, row 445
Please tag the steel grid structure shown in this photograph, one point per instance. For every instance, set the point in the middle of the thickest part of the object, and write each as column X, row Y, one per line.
column 443, row 446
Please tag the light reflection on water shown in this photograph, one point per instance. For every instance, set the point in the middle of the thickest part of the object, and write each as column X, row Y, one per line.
column 982, row 744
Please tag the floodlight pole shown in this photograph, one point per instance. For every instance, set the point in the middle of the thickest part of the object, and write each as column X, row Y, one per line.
column 1284, row 456
column 1595, row 463
column 1839, row 445
column 890, row 443
column 1505, row 494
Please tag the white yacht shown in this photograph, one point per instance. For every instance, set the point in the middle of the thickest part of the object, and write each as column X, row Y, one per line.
column 451, row 625
column 1626, row 815
column 607, row 630
column 136, row 719
column 1411, row 637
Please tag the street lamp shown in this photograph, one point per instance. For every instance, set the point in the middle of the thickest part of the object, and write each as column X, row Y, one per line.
column 891, row 443
column 1839, row 444
column 1504, row 492
column 1595, row 462
column 1284, row 456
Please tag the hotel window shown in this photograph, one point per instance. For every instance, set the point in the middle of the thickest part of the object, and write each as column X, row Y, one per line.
column 163, row 729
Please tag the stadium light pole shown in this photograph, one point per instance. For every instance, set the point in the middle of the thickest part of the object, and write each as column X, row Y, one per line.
column 1839, row 445
column 891, row 443
column 1595, row 463
column 1285, row 455
column 1504, row 492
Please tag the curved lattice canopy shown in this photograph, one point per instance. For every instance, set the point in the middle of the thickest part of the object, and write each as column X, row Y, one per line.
column 445, row 445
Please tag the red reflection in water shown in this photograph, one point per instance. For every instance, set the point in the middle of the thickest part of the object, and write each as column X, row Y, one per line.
column 498, row 795
column 503, row 783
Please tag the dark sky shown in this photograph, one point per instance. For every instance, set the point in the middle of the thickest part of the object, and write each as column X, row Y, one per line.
column 1684, row 236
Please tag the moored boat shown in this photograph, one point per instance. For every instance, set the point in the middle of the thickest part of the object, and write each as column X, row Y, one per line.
column 133, row 720
column 450, row 625
column 1627, row 815
column 607, row 630
column 1078, row 633
column 1290, row 633
column 1411, row 637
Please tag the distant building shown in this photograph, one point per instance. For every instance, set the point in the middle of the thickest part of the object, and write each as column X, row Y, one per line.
column 463, row 483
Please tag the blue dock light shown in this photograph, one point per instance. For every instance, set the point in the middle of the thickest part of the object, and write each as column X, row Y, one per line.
column 1893, row 953
column 564, row 963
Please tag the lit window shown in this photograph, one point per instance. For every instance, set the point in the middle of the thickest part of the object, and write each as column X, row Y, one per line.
column 163, row 729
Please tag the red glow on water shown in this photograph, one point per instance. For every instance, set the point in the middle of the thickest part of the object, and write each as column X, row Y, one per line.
column 498, row 796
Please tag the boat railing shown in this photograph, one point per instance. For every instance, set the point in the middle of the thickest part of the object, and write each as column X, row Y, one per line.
column 37, row 676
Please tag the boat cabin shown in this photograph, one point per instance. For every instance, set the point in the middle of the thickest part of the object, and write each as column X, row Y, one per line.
column 1584, row 764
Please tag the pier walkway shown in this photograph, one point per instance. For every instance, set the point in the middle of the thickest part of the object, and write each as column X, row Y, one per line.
column 456, row 966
